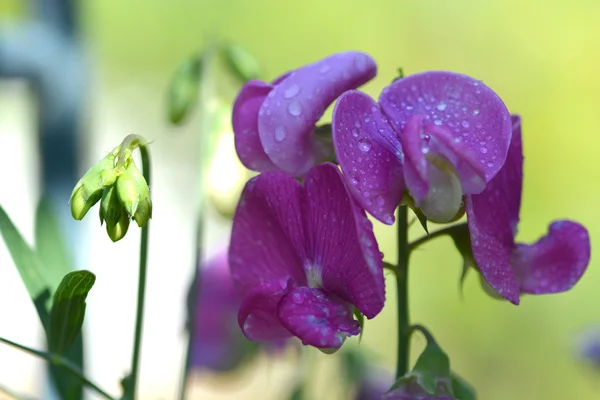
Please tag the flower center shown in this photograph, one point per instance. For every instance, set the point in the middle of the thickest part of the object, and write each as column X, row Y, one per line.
column 314, row 276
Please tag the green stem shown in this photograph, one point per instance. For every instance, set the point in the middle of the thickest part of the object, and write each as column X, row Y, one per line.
column 402, row 293
column 446, row 231
column 139, row 318
column 60, row 362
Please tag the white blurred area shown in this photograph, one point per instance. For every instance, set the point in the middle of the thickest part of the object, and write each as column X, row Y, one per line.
column 175, row 156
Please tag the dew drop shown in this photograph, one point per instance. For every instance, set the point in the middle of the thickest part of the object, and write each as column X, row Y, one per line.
column 364, row 145
column 437, row 122
column 476, row 111
column 280, row 133
column 324, row 69
column 357, row 124
column 380, row 201
column 291, row 91
column 354, row 132
column 295, row 108
column 354, row 181
column 483, row 150
column 465, row 123
column 441, row 106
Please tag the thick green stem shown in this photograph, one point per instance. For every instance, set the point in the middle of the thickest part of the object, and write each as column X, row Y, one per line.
column 60, row 362
column 402, row 293
column 141, row 296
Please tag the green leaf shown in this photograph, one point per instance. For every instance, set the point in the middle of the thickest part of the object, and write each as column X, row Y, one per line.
column 50, row 245
column 184, row 88
column 29, row 266
column 241, row 63
column 68, row 310
column 462, row 389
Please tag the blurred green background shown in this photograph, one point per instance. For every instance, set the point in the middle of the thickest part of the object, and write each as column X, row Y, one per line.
column 542, row 58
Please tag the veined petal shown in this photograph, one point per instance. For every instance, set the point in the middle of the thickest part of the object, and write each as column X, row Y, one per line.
column 258, row 313
column 344, row 258
column 555, row 262
column 416, row 167
column 374, row 174
column 493, row 216
column 464, row 106
column 267, row 239
column 288, row 116
column 245, row 126
column 317, row 318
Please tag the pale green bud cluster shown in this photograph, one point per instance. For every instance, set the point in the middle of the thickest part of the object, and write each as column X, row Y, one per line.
column 121, row 189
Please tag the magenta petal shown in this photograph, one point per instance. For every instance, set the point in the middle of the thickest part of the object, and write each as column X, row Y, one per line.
column 343, row 250
column 258, row 313
column 493, row 216
column 468, row 168
column 416, row 168
column 288, row 116
column 317, row 318
column 555, row 262
column 267, row 239
column 464, row 106
column 374, row 173
column 245, row 126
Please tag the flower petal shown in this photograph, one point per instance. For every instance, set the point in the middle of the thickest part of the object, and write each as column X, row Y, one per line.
column 493, row 216
column 343, row 252
column 317, row 318
column 245, row 126
column 464, row 106
column 217, row 342
column 258, row 314
column 555, row 262
column 374, row 173
column 288, row 116
column 267, row 239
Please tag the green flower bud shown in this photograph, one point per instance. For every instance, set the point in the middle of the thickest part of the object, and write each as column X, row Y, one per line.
column 134, row 195
column 241, row 62
column 88, row 190
column 117, row 230
column 183, row 91
column 113, row 213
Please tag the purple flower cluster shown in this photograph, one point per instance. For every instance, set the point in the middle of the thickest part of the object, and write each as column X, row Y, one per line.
column 303, row 254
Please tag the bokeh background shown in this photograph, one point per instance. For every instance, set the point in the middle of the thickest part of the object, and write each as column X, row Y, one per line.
column 540, row 57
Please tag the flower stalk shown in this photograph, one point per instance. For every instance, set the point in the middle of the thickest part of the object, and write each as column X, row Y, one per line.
column 402, row 293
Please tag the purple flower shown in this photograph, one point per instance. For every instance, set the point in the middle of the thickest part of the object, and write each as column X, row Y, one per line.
column 218, row 344
column 553, row 264
column 274, row 123
column 441, row 135
column 303, row 255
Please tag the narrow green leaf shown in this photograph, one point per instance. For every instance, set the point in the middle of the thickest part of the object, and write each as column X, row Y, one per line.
column 361, row 321
column 50, row 245
column 68, row 310
column 28, row 264
column 462, row 389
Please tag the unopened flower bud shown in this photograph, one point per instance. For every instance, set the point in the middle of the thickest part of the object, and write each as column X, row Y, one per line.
column 134, row 195
column 113, row 213
column 88, row 190
column 183, row 91
column 241, row 62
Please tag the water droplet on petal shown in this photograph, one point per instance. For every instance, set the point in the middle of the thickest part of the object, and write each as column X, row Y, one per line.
column 324, row 69
column 441, row 106
column 291, row 91
column 437, row 122
column 380, row 201
column 483, row 150
column 465, row 123
column 295, row 108
column 297, row 298
column 354, row 132
column 364, row 145
column 476, row 111
column 280, row 133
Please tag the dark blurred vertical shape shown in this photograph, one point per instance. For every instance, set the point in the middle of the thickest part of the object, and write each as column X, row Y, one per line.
column 44, row 49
